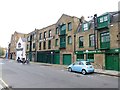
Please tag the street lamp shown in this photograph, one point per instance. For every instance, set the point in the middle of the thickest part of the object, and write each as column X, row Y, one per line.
column 95, row 27
column 86, row 54
column 51, row 57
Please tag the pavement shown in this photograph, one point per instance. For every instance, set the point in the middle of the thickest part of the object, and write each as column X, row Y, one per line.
column 98, row 71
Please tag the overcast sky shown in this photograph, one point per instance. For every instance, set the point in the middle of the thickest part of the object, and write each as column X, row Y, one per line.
column 26, row 15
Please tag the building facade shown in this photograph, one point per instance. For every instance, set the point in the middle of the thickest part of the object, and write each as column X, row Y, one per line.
column 72, row 39
column 13, row 43
column 31, row 45
column 100, row 45
column 21, row 48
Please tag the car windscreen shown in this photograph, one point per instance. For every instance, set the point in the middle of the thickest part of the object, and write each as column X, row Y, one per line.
column 88, row 63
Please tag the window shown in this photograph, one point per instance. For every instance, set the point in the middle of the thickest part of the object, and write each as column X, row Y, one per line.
column 88, row 63
column 101, row 19
column 39, row 45
column 45, row 34
column 44, row 45
column 40, row 37
column 27, row 46
column 105, row 40
column 33, row 45
column 91, row 41
column 62, row 41
column 49, row 44
column 105, row 18
column 49, row 33
column 85, row 26
column 69, row 26
column 80, row 41
column 63, row 29
column 56, row 42
column 90, row 58
column 57, row 30
column 69, row 40
column 105, row 37
column 80, row 57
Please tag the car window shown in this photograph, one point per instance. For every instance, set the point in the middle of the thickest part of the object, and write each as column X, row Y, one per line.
column 80, row 63
column 88, row 63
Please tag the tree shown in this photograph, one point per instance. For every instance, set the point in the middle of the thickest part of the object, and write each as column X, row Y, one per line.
column 1, row 51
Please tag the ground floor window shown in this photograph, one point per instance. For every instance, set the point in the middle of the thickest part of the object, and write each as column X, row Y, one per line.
column 80, row 57
column 90, row 57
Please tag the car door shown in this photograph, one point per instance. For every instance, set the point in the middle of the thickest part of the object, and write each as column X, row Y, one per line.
column 79, row 67
column 74, row 67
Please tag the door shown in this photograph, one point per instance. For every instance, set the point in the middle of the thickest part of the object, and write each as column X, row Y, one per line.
column 57, row 58
column 66, row 59
column 112, row 61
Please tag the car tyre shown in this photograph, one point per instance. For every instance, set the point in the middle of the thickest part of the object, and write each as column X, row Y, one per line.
column 83, row 71
column 70, row 69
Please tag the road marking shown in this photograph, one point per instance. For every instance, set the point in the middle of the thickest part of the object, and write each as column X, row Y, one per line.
column 4, row 83
column 2, row 63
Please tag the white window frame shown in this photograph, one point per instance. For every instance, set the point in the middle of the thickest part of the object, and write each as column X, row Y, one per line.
column 105, row 18
column 85, row 26
column 101, row 19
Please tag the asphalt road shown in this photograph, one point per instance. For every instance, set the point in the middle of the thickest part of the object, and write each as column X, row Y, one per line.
column 41, row 76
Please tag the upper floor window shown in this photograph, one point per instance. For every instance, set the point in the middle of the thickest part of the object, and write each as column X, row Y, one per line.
column 27, row 46
column 44, row 45
column 69, row 26
column 105, row 18
column 101, row 19
column 39, row 45
column 91, row 40
column 56, row 42
column 45, row 34
column 40, row 37
column 49, row 33
column 57, row 30
column 105, row 37
column 63, row 27
column 33, row 45
column 49, row 44
column 81, row 41
column 85, row 26
column 69, row 40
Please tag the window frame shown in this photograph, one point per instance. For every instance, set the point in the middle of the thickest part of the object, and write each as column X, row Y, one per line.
column 81, row 42
column 70, row 40
column 91, row 42
column 70, row 26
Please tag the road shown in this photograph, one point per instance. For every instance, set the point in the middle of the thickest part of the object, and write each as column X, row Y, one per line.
column 42, row 76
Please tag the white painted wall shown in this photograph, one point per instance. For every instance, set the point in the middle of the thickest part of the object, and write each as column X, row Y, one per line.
column 21, row 53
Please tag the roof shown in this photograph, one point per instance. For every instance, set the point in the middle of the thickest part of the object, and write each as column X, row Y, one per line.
column 24, row 39
column 113, row 19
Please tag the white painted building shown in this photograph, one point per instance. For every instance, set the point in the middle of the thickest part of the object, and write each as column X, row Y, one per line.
column 21, row 48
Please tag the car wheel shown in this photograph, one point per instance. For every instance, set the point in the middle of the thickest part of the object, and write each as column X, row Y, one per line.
column 83, row 71
column 70, row 69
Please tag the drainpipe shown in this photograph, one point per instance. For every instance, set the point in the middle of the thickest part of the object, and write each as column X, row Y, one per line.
column 95, row 27
column 74, row 45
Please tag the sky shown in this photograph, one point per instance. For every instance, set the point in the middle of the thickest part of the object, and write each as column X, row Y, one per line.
column 26, row 15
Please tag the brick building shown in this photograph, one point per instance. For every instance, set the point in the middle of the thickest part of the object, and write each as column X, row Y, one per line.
column 13, row 42
column 100, row 45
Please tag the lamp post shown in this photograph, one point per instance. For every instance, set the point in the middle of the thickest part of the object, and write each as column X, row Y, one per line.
column 51, row 57
column 86, row 54
column 95, row 27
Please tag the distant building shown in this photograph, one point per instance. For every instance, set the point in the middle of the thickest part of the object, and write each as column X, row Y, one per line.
column 13, row 42
column 21, row 48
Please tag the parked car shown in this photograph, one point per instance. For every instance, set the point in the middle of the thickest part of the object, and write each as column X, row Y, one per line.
column 81, row 66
